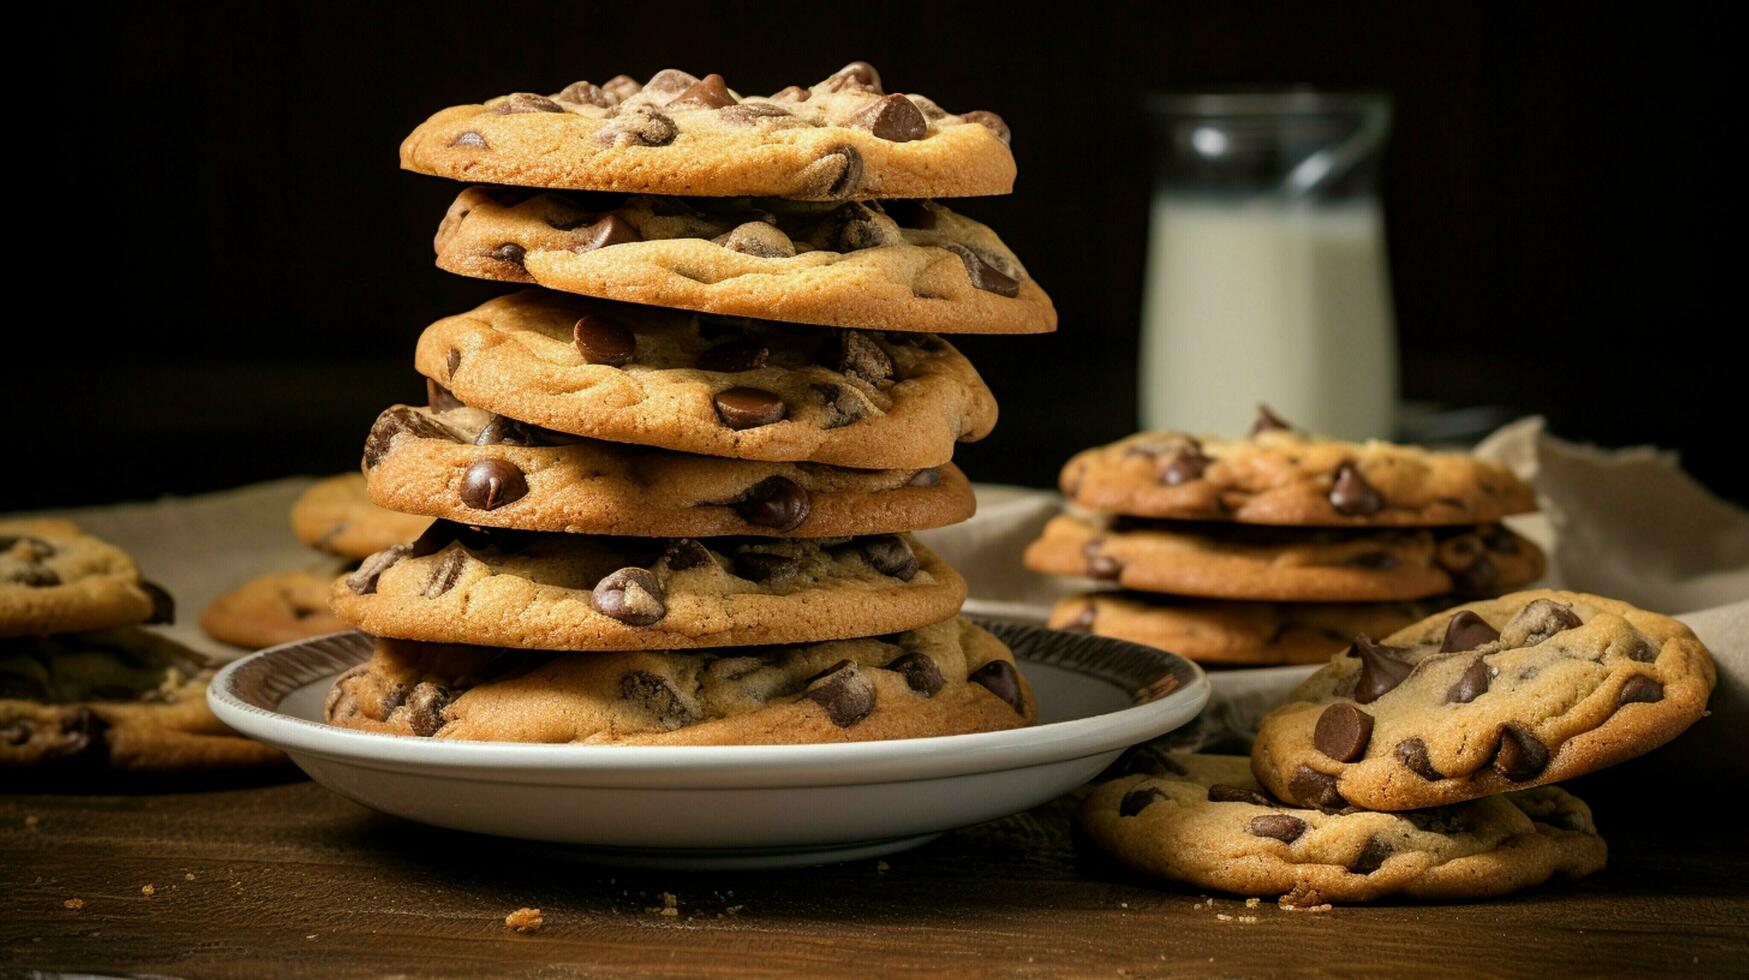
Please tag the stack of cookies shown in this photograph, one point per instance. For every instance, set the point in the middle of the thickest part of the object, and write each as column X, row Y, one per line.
column 1279, row 547
column 83, row 687
column 673, row 487
column 1422, row 765
column 337, row 521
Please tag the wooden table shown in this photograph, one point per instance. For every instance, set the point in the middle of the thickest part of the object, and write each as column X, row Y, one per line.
column 290, row 879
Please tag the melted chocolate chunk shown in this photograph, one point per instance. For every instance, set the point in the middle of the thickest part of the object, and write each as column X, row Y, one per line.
column 608, row 230
column 1278, row 826
column 984, row 275
column 1342, row 732
column 990, row 121
column 1380, row 670
column 1412, row 753
column 843, row 405
column 684, row 553
column 759, row 566
column 893, row 118
column 1467, row 631
column 749, row 408
column 631, row 595
column 163, row 605
column 1001, row 679
column 1472, row 684
column 439, row 398
column 584, row 93
column 1642, row 689
column 734, row 356
column 709, row 92
column 920, row 672
column 445, row 574
column 930, row 477
column 424, row 705
column 654, row 694
column 1137, row 800
column 364, row 580
column 506, row 431
column 858, row 76
column 776, row 502
column 638, row 126
column 525, row 102
column 1315, row 789
column 1184, row 466
column 400, row 419
column 1521, row 755
column 844, row 692
column 857, row 354
column 889, row 555
column 1238, row 794
column 749, row 113
column 758, row 239
column 836, row 175
column 1351, row 495
column 1371, row 857
column 1099, row 564
column 1538, row 621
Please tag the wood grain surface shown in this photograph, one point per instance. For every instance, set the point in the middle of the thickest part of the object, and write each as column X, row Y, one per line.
column 291, row 880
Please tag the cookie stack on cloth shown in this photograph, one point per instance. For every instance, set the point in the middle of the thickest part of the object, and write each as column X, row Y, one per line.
column 1280, row 547
column 1423, row 764
column 83, row 688
column 336, row 519
column 672, row 488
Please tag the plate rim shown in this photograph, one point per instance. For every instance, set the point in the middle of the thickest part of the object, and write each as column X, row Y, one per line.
column 737, row 766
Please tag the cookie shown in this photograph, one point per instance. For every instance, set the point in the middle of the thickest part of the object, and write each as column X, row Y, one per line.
column 55, row 578
column 1236, row 561
column 1248, row 634
column 1531, row 688
column 585, row 592
column 1209, row 826
column 125, row 699
column 467, row 465
column 335, row 515
column 840, row 139
column 898, row 265
column 273, row 609
column 947, row 678
column 746, row 389
column 1279, row 476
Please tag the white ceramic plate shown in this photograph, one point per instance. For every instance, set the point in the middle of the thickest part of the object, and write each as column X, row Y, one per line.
column 726, row 806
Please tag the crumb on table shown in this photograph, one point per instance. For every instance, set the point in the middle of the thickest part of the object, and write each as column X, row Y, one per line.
column 524, row 920
column 73, row 903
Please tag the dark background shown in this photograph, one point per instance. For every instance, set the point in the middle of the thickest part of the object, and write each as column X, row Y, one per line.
column 237, row 270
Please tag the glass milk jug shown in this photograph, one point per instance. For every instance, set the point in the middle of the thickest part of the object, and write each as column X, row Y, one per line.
column 1267, row 280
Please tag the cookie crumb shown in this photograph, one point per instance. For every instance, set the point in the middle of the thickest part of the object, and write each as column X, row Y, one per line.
column 148, row 891
column 882, row 866
column 524, row 920
column 188, row 876
column 1252, row 903
column 734, row 909
column 1224, row 917
column 670, row 905
column 31, row 820
column 1123, row 905
column 73, row 903
column 1248, row 919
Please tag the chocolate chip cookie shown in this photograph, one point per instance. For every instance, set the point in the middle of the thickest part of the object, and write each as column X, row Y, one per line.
column 1527, row 689
column 943, row 679
column 472, row 466
column 1237, row 561
column 1280, row 476
column 125, row 699
column 274, row 609
column 55, row 578
column 747, row 389
column 335, row 515
column 895, row 265
column 1210, row 826
column 842, row 138
column 1244, row 634
column 584, row 592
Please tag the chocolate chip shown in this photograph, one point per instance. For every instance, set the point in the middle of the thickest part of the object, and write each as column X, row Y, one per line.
column 1521, row 755
column 623, row 87
column 890, row 555
column 640, row 125
column 1342, row 732
column 1472, row 684
column 749, row 408
column 452, row 361
column 843, row 405
column 930, row 477
column 709, row 92
column 525, row 102
column 734, row 356
column 609, row 229
column 1538, row 621
column 984, row 275
column 1380, row 670
column 749, row 113
column 776, row 502
column 439, row 398
column 400, row 419
column 1186, row 465
column 858, row 354
column 1137, row 800
column 364, row 580
column 630, row 595
column 1238, row 794
column 656, row 695
column 684, row 553
column 1467, row 631
column 1640, row 688
column 910, row 213
column 445, row 573
column 471, row 140
column 1278, row 826
column 1642, row 652
column 1371, row 857
column 1351, row 495
column 858, row 76
column 584, row 93
column 990, row 121
column 501, row 430
column 1313, row 788
column 758, row 239
column 425, row 704
column 1268, row 421
column 509, row 252
column 488, row 484
column 920, row 672
column 602, row 339
column 760, row 566
column 844, row 692
column 1412, row 753
column 1001, row 679
column 1099, row 564
column 836, row 175
column 669, row 82
column 893, row 118
column 163, row 605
